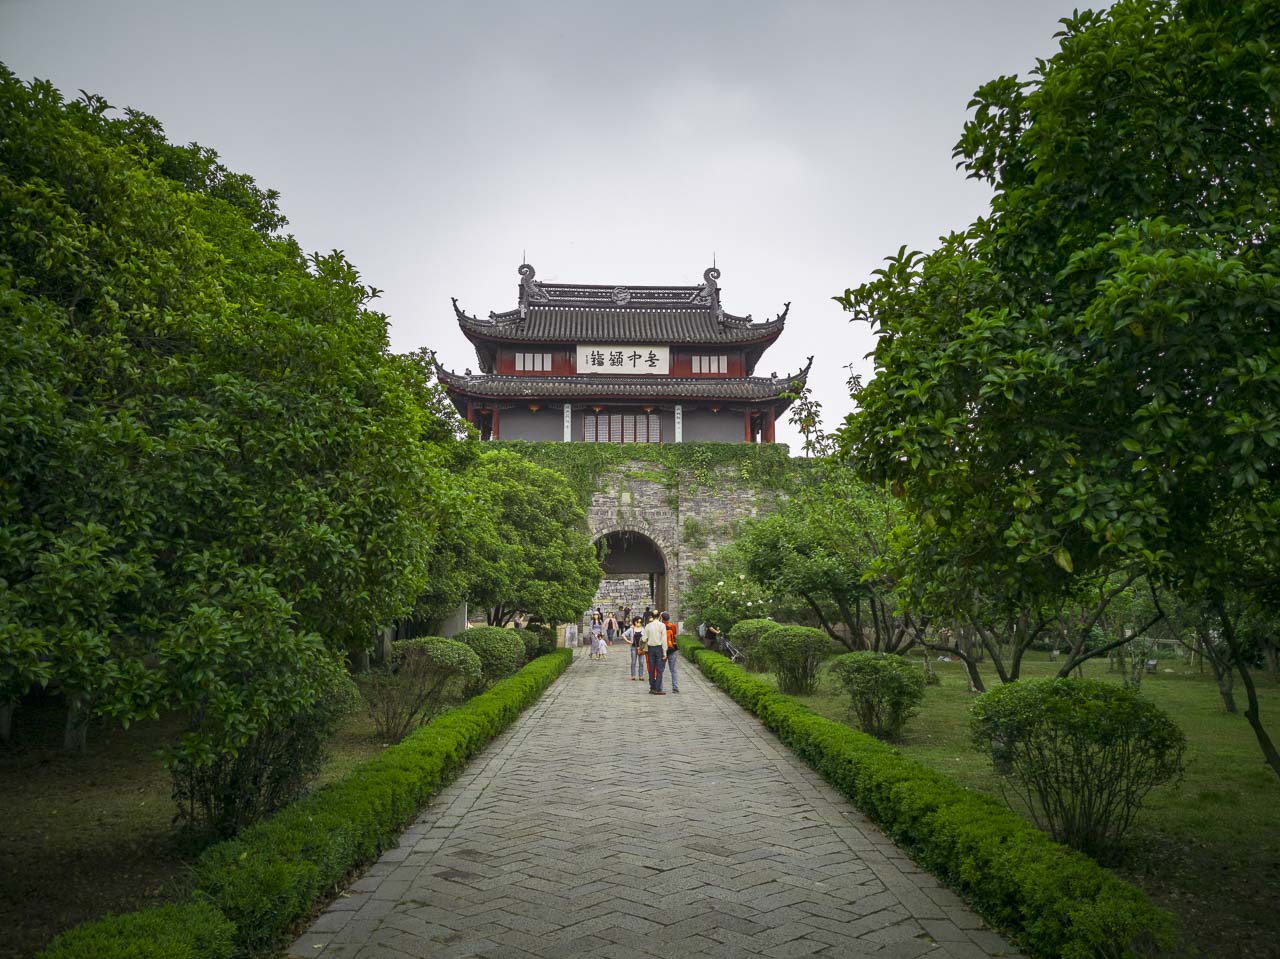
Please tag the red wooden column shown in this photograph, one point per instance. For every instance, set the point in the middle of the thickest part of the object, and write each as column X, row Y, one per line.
column 746, row 426
column 769, row 426
column 493, row 429
column 471, row 412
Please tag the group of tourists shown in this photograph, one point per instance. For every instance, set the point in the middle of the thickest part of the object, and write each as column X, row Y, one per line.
column 651, row 644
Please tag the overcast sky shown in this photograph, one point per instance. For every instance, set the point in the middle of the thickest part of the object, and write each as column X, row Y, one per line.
column 616, row 143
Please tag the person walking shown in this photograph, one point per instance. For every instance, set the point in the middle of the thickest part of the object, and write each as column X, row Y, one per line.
column 655, row 640
column 672, row 650
column 610, row 628
column 634, row 635
column 597, row 634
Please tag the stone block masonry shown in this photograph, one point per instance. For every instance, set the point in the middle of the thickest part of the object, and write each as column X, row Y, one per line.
column 687, row 521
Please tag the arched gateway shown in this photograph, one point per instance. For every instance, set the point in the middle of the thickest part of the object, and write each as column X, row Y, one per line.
column 635, row 572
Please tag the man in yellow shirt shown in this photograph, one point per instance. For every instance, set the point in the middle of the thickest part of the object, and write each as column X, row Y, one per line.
column 655, row 641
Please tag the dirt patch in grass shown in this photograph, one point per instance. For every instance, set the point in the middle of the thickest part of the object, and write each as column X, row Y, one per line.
column 82, row 836
column 1207, row 849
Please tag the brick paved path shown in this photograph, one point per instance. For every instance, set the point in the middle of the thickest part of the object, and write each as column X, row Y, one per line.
column 544, row 845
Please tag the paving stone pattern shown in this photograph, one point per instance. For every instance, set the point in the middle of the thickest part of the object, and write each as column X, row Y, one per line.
column 608, row 822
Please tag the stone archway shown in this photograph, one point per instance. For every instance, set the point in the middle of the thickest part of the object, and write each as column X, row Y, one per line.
column 636, row 571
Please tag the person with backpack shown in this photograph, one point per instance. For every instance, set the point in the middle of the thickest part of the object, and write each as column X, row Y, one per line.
column 672, row 649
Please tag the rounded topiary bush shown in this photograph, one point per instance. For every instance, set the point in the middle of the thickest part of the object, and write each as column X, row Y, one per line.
column 1081, row 752
column 416, row 680
column 501, row 652
column 885, row 690
column 746, row 634
column 794, row 653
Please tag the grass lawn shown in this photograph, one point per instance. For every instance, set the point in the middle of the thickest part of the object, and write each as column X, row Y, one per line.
column 87, row 835
column 1207, row 849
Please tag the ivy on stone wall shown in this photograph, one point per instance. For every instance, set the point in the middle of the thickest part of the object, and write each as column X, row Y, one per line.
column 761, row 465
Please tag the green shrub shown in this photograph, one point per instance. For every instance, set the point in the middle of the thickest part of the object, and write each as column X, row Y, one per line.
column 746, row 635
column 1082, row 753
column 416, row 680
column 276, row 872
column 884, row 690
column 189, row 930
column 501, row 652
column 1059, row 903
column 230, row 790
column 538, row 640
column 794, row 653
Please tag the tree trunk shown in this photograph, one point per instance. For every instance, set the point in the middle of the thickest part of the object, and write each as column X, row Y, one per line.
column 6, row 723
column 1253, row 714
column 826, row 626
column 1226, row 684
column 975, row 678
column 75, row 735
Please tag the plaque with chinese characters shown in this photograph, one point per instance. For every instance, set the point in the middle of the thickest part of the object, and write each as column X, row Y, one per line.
column 653, row 360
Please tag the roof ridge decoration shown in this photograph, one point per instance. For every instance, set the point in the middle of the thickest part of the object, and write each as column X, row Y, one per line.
column 530, row 290
column 709, row 295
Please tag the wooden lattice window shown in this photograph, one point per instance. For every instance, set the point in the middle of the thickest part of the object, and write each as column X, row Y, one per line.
column 533, row 362
column 621, row 428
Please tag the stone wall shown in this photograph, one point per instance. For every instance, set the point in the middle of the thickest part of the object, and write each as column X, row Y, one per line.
column 687, row 521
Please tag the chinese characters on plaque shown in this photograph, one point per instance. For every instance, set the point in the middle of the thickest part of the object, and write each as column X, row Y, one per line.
column 652, row 360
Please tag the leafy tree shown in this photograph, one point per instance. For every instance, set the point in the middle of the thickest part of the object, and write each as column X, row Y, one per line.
column 215, row 476
column 532, row 553
column 830, row 546
column 1088, row 380
column 721, row 592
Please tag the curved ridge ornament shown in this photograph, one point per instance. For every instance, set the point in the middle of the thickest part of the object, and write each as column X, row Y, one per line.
column 709, row 295
column 530, row 291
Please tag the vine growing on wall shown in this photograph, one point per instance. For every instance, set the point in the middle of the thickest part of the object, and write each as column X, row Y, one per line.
column 766, row 466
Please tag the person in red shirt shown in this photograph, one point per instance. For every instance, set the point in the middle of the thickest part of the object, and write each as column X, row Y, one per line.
column 671, row 651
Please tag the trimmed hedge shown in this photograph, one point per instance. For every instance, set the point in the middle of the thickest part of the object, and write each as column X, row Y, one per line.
column 1057, row 902
column 187, row 930
column 274, row 873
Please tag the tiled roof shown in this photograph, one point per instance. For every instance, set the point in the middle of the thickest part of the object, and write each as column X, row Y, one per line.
column 620, row 324
column 755, row 388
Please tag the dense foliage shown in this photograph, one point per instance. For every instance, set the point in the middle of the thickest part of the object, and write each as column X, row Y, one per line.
column 215, row 476
column 585, row 465
column 1082, row 753
column 794, row 653
column 500, row 651
column 884, row 690
column 235, row 787
column 1087, row 381
column 1058, row 903
column 831, row 547
column 720, row 592
column 414, row 681
column 534, row 554
column 189, row 930
column 745, row 635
